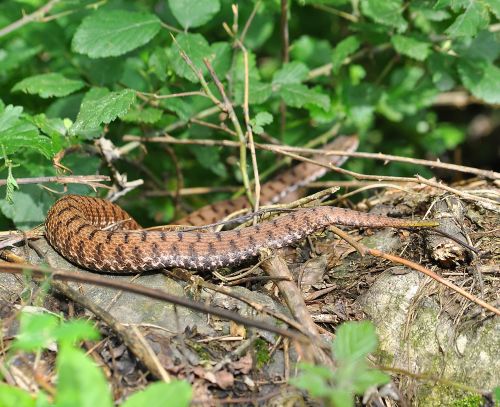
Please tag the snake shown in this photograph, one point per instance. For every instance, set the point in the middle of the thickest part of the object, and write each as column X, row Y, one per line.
column 98, row 235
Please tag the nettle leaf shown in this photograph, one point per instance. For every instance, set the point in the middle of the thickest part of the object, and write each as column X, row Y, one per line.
column 298, row 95
column 196, row 48
column 113, row 33
column 175, row 393
column 80, row 381
column 16, row 132
column 260, row 120
column 293, row 72
column 193, row 13
column 442, row 68
column 474, row 18
column 354, row 341
column 48, row 85
column 411, row 47
column 101, row 106
column 481, row 78
column 344, row 48
column 387, row 12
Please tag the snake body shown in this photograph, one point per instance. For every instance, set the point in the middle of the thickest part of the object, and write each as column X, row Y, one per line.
column 75, row 227
column 279, row 189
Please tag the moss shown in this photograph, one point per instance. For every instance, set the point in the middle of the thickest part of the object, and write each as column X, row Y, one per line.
column 262, row 356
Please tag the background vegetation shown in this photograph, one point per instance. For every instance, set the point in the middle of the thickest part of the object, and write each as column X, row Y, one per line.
column 73, row 71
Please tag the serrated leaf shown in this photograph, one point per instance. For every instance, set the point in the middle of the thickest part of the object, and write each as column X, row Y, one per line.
column 175, row 393
column 494, row 6
column 293, row 72
column 343, row 49
column 411, row 47
column 387, row 12
column 481, row 78
column 260, row 120
column 80, row 382
column 474, row 18
column 16, row 133
column 193, row 13
column 101, row 106
column 196, row 48
column 354, row 341
column 11, row 186
column 48, row 85
column 113, row 33
column 298, row 95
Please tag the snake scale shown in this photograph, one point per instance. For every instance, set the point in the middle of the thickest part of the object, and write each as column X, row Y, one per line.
column 98, row 235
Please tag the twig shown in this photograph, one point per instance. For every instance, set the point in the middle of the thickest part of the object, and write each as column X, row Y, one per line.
column 91, row 180
column 281, row 149
column 60, row 275
column 228, row 107
column 28, row 18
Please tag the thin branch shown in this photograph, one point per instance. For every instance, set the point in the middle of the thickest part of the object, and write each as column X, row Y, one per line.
column 282, row 149
column 60, row 275
column 28, row 18
column 91, row 180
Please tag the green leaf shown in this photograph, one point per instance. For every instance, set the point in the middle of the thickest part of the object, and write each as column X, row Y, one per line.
column 411, row 47
column 260, row 120
column 474, row 18
column 80, row 382
column 293, row 72
column 113, row 33
column 344, row 48
column 494, row 6
column 443, row 137
column 75, row 330
column 11, row 186
column 193, row 13
column 210, row 159
column 442, row 68
column 366, row 378
column 342, row 397
column 311, row 51
column 354, row 341
column 16, row 133
column 48, row 85
column 11, row 396
column 387, row 12
column 148, row 115
column 196, row 47
column 480, row 77
column 259, row 91
column 176, row 393
column 36, row 331
column 496, row 394
column 101, row 106
column 298, row 95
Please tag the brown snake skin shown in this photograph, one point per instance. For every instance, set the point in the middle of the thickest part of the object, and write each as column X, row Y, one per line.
column 100, row 236
column 75, row 228
column 279, row 189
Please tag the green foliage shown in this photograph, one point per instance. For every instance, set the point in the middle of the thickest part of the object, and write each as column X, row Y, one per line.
column 352, row 376
column 80, row 382
column 117, row 68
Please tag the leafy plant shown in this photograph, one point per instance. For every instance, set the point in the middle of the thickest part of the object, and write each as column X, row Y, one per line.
column 80, row 382
column 111, row 69
column 351, row 376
